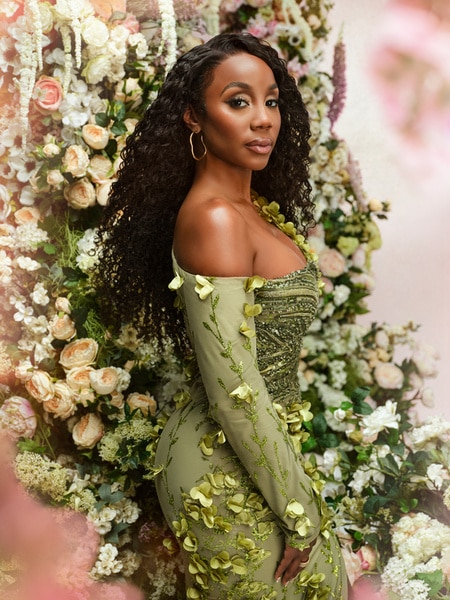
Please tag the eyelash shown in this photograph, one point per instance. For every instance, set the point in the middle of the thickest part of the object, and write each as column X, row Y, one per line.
column 234, row 102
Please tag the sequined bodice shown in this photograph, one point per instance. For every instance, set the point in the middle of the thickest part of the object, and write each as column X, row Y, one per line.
column 289, row 305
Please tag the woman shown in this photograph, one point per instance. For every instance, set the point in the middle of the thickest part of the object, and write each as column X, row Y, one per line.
column 228, row 127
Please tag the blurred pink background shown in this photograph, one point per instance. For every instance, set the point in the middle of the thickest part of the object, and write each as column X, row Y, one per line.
column 412, row 269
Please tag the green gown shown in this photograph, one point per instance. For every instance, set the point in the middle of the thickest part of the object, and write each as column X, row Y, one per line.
column 233, row 486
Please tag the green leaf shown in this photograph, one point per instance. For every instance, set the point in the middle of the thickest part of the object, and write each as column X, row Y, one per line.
column 389, row 465
column 374, row 503
column 434, row 580
column 119, row 128
column 102, row 119
column 49, row 249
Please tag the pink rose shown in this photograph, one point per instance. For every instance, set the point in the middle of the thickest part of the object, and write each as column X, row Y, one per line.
column 331, row 262
column 47, row 93
column 18, row 417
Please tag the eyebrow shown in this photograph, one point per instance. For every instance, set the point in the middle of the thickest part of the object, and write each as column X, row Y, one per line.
column 244, row 86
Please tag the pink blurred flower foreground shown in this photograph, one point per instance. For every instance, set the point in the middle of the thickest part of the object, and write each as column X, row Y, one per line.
column 55, row 548
column 411, row 73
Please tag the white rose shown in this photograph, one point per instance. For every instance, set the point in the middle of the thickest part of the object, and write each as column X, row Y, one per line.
column 389, row 376
column 96, row 69
column 128, row 89
column 46, row 15
column 100, row 168
column 94, row 32
column 40, row 386
column 79, row 353
column 331, row 262
column 88, row 431
column 80, row 195
column 146, row 404
column 425, row 357
column 382, row 339
column 76, row 160
column 62, row 404
column 105, row 380
column 102, row 190
column 427, row 397
column 95, row 136
column 62, row 328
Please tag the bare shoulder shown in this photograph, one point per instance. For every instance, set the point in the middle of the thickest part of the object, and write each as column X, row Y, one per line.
column 211, row 238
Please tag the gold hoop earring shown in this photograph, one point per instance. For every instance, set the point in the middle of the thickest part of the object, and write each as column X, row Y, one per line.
column 191, row 141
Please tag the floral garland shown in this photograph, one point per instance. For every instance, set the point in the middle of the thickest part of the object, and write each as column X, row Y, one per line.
column 84, row 409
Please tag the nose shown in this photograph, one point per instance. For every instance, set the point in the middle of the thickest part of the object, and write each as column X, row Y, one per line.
column 261, row 118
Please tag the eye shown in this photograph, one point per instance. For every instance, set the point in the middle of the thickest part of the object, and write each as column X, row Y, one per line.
column 272, row 103
column 237, row 102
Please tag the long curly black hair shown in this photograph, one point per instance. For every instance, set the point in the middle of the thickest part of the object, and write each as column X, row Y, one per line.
column 157, row 171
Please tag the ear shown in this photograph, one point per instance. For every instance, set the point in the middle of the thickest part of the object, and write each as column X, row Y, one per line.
column 191, row 120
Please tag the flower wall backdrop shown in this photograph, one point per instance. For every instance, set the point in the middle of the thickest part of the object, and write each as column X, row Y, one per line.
column 85, row 409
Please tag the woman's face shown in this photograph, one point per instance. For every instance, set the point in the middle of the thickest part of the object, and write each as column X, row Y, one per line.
column 242, row 120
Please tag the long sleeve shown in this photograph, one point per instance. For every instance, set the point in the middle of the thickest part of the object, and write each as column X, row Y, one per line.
column 221, row 327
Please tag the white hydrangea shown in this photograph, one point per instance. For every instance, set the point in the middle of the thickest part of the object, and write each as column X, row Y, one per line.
column 29, row 236
column 107, row 562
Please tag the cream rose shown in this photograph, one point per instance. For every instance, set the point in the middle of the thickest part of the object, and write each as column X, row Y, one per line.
column 63, row 404
column 47, row 94
column 50, row 150
column 62, row 304
column 46, row 14
column 128, row 89
column 102, row 191
column 40, row 386
column 76, row 160
column 62, row 328
column 100, row 168
column 95, row 136
column 105, row 380
column 79, row 353
column 27, row 214
column 88, row 431
column 331, row 262
column 18, row 417
column 146, row 404
column 80, row 195
column 55, row 178
column 389, row 376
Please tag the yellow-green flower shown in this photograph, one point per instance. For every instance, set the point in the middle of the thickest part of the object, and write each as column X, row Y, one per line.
column 243, row 392
column 253, row 283
column 203, row 493
column 176, row 282
column 246, row 331
column 220, row 561
column 204, row 286
column 251, row 310
column 347, row 244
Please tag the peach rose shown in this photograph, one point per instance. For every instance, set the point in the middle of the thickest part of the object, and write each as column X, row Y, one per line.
column 40, row 386
column 76, row 160
column 146, row 404
column 105, row 380
column 331, row 262
column 100, row 168
column 389, row 376
column 95, row 136
column 27, row 214
column 62, row 328
column 62, row 405
column 80, row 195
column 79, row 353
column 79, row 378
column 18, row 417
column 88, row 431
column 48, row 93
